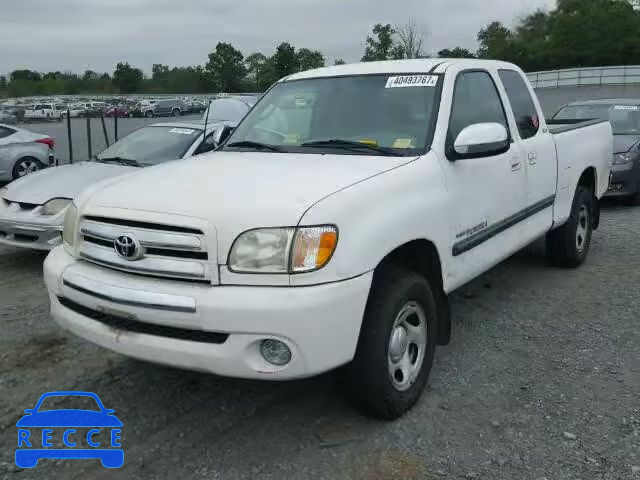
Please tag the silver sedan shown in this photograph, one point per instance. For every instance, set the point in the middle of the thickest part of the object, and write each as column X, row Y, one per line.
column 23, row 152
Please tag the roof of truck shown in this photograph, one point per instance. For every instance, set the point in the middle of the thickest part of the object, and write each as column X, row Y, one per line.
column 420, row 66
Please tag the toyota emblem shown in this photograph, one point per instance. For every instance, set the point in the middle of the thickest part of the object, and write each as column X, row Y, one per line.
column 127, row 247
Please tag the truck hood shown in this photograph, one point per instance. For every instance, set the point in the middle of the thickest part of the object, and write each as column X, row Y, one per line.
column 65, row 181
column 238, row 191
column 624, row 143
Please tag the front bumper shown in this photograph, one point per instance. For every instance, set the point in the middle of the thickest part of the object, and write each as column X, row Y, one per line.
column 625, row 180
column 35, row 235
column 320, row 324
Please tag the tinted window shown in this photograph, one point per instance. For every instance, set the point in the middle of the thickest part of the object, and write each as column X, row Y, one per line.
column 5, row 132
column 521, row 102
column 475, row 100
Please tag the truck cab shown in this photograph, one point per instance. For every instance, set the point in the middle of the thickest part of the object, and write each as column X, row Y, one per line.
column 330, row 227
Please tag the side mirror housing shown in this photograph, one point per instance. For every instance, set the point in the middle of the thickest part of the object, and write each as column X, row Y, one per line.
column 222, row 134
column 481, row 139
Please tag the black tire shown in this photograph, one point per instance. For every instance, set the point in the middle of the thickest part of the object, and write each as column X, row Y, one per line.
column 368, row 378
column 564, row 247
column 175, row 112
column 148, row 114
column 18, row 167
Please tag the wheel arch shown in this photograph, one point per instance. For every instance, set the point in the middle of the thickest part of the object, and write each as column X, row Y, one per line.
column 422, row 257
column 589, row 179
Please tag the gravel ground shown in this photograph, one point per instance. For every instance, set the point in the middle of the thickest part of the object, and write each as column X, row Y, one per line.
column 542, row 380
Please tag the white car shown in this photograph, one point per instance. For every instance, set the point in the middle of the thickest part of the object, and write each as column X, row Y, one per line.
column 330, row 227
column 32, row 209
column 23, row 152
column 44, row 111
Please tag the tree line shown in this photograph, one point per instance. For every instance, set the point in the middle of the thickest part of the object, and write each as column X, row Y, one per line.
column 577, row 33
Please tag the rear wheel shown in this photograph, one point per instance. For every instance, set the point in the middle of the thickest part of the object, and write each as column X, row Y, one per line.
column 175, row 112
column 148, row 114
column 568, row 246
column 396, row 345
column 25, row 166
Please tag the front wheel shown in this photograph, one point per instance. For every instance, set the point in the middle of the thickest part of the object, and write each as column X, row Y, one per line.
column 396, row 345
column 175, row 112
column 568, row 246
column 148, row 114
column 25, row 166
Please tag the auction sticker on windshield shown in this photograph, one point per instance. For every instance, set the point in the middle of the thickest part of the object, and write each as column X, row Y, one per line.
column 184, row 131
column 412, row 81
column 634, row 108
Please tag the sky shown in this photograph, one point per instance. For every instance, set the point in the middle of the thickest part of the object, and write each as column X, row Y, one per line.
column 76, row 35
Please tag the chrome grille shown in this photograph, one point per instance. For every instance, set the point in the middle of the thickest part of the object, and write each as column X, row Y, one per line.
column 165, row 251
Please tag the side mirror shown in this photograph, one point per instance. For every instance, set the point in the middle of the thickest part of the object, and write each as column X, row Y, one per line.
column 222, row 134
column 481, row 139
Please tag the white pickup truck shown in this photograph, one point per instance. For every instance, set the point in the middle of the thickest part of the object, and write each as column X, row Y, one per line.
column 330, row 226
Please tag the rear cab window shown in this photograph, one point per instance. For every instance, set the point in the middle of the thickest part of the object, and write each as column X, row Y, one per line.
column 524, row 109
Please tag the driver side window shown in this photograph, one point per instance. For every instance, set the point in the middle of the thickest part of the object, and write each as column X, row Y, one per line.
column 475, row 100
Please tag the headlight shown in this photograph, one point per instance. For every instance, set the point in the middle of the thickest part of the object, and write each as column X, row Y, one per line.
column 70, row 221
column 283, row 250
column 623, row 158
column 55, row 206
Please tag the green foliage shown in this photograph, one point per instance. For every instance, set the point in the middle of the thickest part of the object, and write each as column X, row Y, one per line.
column 225, row 68
column 127, row 79
column 339, row 61
column 578, row 33
column 309, row 59
column 380, row 46
column 457, row 52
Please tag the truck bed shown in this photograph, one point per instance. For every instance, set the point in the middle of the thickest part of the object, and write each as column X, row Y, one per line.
column 580, row 144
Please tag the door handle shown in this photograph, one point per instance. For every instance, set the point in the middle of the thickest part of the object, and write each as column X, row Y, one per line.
column 516, row 164
column 533, row 158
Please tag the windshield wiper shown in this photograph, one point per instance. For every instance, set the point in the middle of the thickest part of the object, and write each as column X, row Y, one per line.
column 122, row 161
column 256, row 145
column 351, row 145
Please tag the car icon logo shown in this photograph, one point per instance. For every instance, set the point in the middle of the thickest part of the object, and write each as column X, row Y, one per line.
column 51, row 431
column 127, row 247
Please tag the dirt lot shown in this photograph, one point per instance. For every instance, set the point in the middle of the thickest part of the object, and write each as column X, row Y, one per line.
column 542, row 380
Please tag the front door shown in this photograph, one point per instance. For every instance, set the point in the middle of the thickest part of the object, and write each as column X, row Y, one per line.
column 486, row 194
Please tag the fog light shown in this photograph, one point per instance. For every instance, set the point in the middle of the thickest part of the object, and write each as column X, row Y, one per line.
column 275, row 352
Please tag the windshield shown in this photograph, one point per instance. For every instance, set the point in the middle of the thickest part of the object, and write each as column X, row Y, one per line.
column 153, row 145
column 625, row 119
column 74, row 402
column 389, row 112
